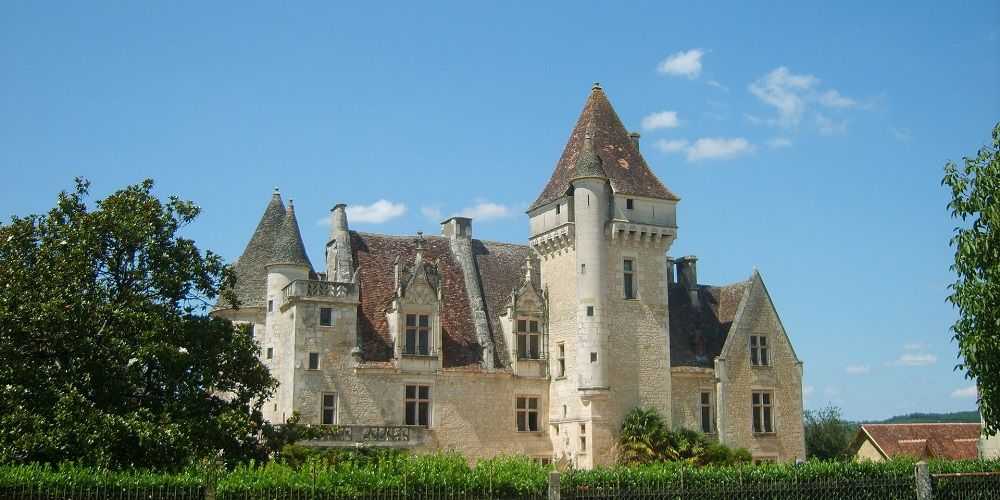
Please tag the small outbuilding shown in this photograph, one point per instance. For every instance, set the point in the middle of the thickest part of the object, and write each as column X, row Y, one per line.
column 879, row 442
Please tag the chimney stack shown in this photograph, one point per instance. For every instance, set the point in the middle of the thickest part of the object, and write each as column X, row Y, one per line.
column 457, row 227
column 635, row 139
column 687, row 276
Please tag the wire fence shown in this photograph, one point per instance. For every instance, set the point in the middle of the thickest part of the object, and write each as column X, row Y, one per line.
column 964, row 486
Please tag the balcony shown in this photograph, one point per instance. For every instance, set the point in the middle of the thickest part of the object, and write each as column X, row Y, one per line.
column 316, row 289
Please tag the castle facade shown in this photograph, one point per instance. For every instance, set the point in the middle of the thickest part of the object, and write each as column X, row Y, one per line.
column 450, row 342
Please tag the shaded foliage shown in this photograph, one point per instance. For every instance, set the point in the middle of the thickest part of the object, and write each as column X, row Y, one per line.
column 828, row 436
column 645, row 439
column 106, row 354
column 975, row 201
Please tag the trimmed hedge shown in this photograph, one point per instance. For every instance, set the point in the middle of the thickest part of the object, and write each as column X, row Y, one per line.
column 503, row 476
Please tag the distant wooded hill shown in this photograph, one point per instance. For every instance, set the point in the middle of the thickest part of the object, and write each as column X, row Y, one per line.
column 971, row 416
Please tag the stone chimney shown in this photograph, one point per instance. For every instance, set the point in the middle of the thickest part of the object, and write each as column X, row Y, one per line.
column 687, row 276
column 635, row 139
column 339, row 258
column 457, row 227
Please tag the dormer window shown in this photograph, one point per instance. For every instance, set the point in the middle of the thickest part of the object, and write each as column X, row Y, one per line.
column 528, row 339
column 417, row 340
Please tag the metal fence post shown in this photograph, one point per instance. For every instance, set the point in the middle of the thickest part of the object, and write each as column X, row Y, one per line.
column 922, row 476
column 554, row 493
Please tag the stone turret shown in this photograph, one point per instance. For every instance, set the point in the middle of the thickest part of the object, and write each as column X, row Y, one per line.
column 289, row 261
column 339, row 258
column 590, row 201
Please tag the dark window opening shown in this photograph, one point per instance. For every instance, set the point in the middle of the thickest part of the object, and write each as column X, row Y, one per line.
column 593, row 357
column 329, row 409
column 326, row 316
column 417, row 335
column 526, row 414
column 418, row 405
column 314, row 361
column 706, row 412
column 590, row 310
column 628, row 279
column 629, row 203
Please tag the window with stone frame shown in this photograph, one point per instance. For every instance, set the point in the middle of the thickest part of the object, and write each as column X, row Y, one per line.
column 326, row 316
column 705, row 406
column 561, row 361
column 529, row 337
column 759, row 350
column 329, row 411
column 270, row 305
column 417, row 339
column 270, row 352
column 417, row 405
column 763, row 412
column 628, row 278
column 313, row 361
column 526, row 413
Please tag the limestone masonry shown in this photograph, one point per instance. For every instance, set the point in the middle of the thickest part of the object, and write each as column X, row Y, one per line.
column 449, row 342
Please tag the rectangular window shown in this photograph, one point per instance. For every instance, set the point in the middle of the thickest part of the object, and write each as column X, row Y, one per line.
column 314, row 361
column 628, row 277
column 762, row 412
column 270, row 306
column 593, row 357
column 270, row 352
column 528, row 339
column 326, row 316
column 561, row 367
column 629, row 203
column 590, row 310
column 583, row 437
column 417, row 335
column 329, row 408
column 706, row 412
column 558, row 208
column 418, row 405
column 526, row 414
column 758, row 350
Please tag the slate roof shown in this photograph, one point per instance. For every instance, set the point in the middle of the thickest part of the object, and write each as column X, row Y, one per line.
column 622, row 162
column 952, row 441
column 698, row 334
column 251, row 278
column 288, row 246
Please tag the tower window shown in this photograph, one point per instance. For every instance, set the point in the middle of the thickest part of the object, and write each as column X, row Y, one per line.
column 329, row 408
column 758, row 350
column 593, row 357
column 558, row 208
column 326, row 316
column 526, row 414
column 314, row 361
column 706, row 412
column 590, row 310
column 270, row 305
column 628, row 278
column 583, row 268
column 418, row 405
column 417, row 335
column 528, row 339
column 583, row 437
column 270, row 352
column 629, row 204
column 561, row 367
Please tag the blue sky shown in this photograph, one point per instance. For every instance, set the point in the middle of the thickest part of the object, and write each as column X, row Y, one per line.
column 807, row 140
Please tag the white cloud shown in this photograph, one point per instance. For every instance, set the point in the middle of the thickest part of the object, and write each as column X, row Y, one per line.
column 779, row 142
column 718, row 148
column 713, row 83
column 915, row 359
column 786, row 92
column 376, row 213
column 829, row 126
column 914, row 346
column 674, row 146
column 833, row 99
column 857, row 369
column 682, row 64
column 965, row 392
column 432, row 213
column 662, row 119
column 485, row 210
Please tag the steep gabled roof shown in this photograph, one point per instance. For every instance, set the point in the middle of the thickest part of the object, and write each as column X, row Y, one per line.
column 288, row 246
column 951, row 441
column 251, row 278
column 622, row 163
column 697, row 334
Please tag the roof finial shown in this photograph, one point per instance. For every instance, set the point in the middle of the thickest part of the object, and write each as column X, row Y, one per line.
column 276, row 192
column 528, row 269
column 597, row 86
column 291, row 206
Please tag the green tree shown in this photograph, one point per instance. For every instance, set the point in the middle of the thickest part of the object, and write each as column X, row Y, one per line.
column 975, row 201
column 106, row 354
column 828, row 436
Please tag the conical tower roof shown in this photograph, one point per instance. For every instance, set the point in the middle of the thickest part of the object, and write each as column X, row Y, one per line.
column 288, row 247
column 588, row 162
column 621, row 161
column 251, row 277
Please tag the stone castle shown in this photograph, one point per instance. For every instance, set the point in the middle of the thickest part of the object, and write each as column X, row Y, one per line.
column 450, row 342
